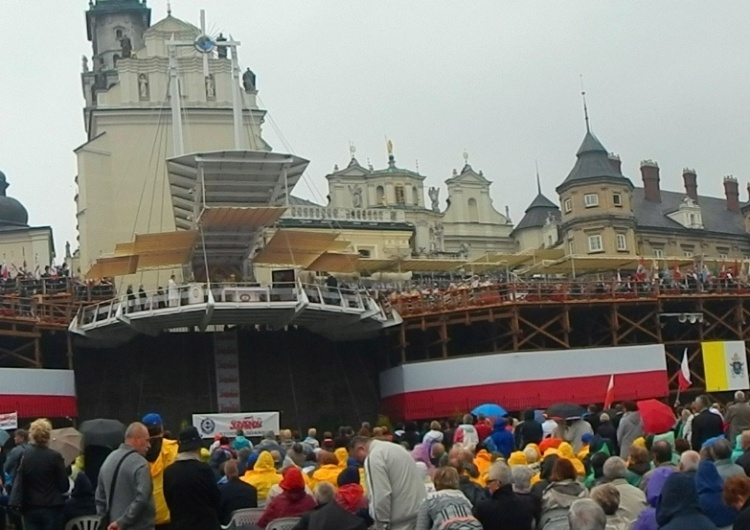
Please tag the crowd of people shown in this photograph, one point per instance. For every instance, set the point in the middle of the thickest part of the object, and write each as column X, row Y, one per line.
column 598, row 471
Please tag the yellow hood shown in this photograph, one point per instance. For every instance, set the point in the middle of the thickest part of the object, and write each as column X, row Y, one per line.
column 342, row 455
column 265, row 463
column 517, row 458
column 565, row 450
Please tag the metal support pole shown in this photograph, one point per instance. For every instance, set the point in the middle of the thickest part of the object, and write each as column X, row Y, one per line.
column 236, row 104
column 174, row 95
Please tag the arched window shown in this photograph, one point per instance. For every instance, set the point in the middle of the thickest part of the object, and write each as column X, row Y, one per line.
column 115, row 58
column 414, row 195
column 473, row 211
column 380, row 196
column 118, row 33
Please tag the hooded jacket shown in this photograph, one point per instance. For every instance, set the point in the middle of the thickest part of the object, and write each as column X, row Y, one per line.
column 565, row 450
column 679, row 508
column 325, row 473
column 421, row 453
column 530, row 431
column 483, row 461
column 503, row 439
column 710, row 487
column 557, row 499
column 647, row 519
column 351, row 497
column 81, row 501
column 165, row 458
column 263, row 475
column 293, row 500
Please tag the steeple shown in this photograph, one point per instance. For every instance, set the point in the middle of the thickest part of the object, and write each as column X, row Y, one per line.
column 538, row 182
column 585, row 108
column 540, row 209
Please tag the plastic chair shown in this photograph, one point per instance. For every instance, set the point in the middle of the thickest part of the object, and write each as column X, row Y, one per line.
column 87, row 522
column 284, row 523
column 244, row 517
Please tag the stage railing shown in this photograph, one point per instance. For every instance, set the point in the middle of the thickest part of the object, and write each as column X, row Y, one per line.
column 425, row 301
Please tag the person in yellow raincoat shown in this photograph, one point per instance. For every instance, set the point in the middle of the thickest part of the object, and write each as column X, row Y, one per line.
column 160, row 455
column 483, row 461
column 262, row 476
column 342, row 455
column 328, row 470
column 517, row 458
column 565, row 450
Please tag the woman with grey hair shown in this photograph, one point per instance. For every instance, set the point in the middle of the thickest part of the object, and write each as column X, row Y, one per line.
column 522, row 476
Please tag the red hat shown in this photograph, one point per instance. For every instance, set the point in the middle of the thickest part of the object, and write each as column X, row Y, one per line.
column 292, row 479
column 549, row 443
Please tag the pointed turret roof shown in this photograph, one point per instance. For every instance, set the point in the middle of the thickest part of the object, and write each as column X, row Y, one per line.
column 537, row 213
column 592, row 164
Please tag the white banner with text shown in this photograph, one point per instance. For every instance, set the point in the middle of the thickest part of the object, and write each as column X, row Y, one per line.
column 251, row 423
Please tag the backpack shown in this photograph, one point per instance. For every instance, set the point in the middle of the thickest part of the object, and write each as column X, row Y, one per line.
column 556, row 519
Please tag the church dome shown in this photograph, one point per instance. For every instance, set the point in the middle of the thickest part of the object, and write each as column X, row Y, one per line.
column 12, row 213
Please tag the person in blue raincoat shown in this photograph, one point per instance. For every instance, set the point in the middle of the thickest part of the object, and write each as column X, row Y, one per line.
column 502, row 438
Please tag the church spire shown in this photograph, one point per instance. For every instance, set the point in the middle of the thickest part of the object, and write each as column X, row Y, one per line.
column 538, row 182
column 585, row 108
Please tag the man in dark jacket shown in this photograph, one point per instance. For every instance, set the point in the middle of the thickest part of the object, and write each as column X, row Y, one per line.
column 706, row 424
column 235, row 494
column 329, row 514
column 529, row 432
column 190, row 488
column 608, row 432
column 503, row 509
column 471, row 490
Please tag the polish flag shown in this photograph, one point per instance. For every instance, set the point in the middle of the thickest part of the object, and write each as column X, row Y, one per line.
column 683, row 376
column 610, row 397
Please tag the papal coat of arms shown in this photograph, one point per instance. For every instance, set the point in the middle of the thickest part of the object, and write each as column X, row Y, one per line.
column 738, row 367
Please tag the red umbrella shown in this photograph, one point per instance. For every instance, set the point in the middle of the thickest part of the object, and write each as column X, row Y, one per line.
column 657, row 417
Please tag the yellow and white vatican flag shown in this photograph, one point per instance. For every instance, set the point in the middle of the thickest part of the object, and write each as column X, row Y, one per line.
column 725, row 365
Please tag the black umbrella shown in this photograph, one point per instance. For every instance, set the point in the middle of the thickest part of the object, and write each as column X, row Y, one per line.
column 565, row 411
column 102, row 432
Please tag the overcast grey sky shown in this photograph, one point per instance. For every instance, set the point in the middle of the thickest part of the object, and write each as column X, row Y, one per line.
column 666, row 80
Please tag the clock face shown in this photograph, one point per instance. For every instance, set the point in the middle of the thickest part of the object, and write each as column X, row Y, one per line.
column 204, row 44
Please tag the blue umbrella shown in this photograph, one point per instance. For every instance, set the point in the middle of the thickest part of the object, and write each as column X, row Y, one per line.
column 490, row 410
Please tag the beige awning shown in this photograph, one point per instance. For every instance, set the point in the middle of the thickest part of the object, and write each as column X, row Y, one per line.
column 114, row 266
column 431, row 265
column 335, row 262
column 166, row 258
column 236, row 216
column 299, row 247
column 376, row 265
column 161, row 241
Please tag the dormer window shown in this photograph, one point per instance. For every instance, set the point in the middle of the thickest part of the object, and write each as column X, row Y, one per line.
column 617, row 199
column 568, row 205
column 591, row 200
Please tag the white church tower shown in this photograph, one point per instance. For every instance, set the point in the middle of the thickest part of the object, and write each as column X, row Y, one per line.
column 123, row 188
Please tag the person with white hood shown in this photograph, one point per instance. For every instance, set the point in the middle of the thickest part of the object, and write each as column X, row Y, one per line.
column 395, row 487
column 434, row 435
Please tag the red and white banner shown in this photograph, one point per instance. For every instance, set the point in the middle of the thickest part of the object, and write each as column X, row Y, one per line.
column 38, row 392
column 227, row 362
column 9, row 421
column 252, row 423
column 517, row 381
